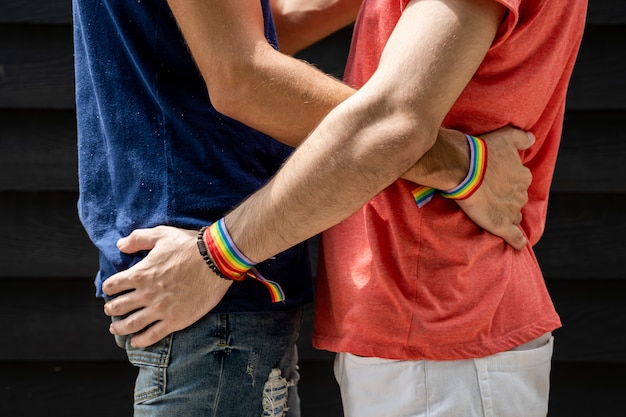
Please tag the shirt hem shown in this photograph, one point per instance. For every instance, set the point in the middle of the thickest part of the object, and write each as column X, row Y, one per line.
column 443, row 352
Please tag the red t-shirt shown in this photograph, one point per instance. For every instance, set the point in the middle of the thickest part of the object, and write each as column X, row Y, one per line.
column 401, row 282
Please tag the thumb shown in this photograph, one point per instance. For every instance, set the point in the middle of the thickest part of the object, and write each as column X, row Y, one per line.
column 523, row 140
column 138, row 240
column 515, row 237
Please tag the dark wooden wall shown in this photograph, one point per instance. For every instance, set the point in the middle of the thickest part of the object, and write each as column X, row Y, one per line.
column 57, row 358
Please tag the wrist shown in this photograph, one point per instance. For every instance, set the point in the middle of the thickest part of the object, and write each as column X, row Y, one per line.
column 224, row 258
column 471, row 181
column 204, row 252
column 445, row 165
column 475, row 174
column 454, row 159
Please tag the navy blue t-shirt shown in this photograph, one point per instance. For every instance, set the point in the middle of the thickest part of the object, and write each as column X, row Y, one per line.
column 153, row 150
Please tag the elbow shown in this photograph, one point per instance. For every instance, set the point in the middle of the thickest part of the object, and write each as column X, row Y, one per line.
column 227, row 96
column 425, row 134
column 413, row 132
column 226, row 103
column 417, row 138
column 386, row 143
column 410, row 127
column 231, row 84
column 422, row 125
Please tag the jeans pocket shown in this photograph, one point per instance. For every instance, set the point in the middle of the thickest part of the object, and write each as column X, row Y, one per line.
column 152, row 363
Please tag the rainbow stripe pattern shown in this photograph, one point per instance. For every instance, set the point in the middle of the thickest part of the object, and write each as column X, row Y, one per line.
column 232, row 263
column 476, row 173
column 471, row 183
column 423, row 195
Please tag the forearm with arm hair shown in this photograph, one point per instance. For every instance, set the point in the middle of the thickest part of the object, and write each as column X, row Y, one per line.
column 342, row 165
column 376, row 135
column 271, row 92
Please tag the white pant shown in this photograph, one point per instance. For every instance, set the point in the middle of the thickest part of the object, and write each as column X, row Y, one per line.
column 507, row 384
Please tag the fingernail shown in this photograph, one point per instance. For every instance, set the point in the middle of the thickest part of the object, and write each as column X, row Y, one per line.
column 112, row 330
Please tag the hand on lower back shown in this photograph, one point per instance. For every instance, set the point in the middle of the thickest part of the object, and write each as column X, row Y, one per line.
column 170, row 289
column 497, row 205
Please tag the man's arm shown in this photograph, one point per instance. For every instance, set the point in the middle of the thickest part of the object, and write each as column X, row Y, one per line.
column 496, row 206
column 377, row 134
column 247, row 79
column 286, row 98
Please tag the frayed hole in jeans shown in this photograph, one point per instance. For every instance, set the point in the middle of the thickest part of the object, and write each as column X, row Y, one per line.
column 275, row 395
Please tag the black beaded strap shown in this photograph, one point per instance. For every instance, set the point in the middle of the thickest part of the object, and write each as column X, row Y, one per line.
column 205, row 255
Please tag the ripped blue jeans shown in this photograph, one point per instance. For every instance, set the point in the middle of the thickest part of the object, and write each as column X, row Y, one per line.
column 227, row 365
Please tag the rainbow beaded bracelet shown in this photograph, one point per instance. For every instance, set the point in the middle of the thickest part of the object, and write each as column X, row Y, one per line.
column 228, row 262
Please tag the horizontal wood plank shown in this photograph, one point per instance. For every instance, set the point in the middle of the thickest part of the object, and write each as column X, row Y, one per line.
column 584, row 390
column 601, row 12
column 330, row 54
column 599, row 70
column 593, row 314
column 584, row 237
column 592, row 154
column 36, row 11
column 58, row 319
column 606, row 12
column 38, row 150
column 36, row 67
column 42, row 237
column 67, row 389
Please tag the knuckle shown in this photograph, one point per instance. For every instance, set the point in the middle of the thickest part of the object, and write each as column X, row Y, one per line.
column 134, row 280
column 107, row 285
column 137, row 277
column 111, row 308
column 134, row 323
column 159, row 306
column 160, row 230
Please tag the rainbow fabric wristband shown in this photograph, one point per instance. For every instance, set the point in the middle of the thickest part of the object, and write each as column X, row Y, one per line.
column 476, row 174
column 232, row 263
column 423, row 195
column 471, row 183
